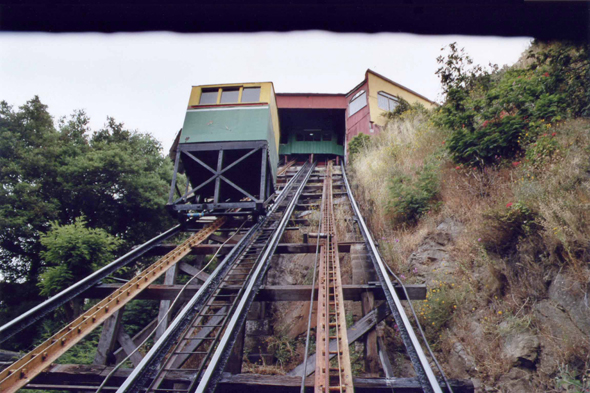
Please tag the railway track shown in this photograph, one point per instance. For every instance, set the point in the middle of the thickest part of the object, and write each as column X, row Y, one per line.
column 202, row 335
column 200, row 339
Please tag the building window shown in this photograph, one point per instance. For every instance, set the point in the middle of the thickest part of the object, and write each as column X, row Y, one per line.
column 387, row 102
column 229, row 96
column 358, row 102
column 208, row 97
column 251, row 94
column 327, row 137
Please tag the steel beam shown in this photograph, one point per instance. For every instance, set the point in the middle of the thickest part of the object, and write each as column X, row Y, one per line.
column 38, row 312
column 22, row 371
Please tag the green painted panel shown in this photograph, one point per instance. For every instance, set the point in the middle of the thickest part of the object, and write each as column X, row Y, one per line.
column 308, row 147
column 225, row 125
column 231, row 125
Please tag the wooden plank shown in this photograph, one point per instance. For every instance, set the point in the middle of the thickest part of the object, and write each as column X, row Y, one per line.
column 193, row 271
column 191, row 345
column 128, row 346
column 137, row 339
column 163, row 315
column 108, row 337
column 282, row 248
column 384, row 357
column 82, row 377
column 275, row 293
column 356, row 331
column 234, row 363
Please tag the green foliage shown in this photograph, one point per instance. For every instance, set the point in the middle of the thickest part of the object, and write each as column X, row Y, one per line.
column 356, row 145
column 412, row 196
column 542, row 150
column 573, row 380
column 495, row 114
column 138, row 313
column 115, row 178
column 282, row 348
column 568, row 64
column 437, row 309
column 72, row 253
column 402, row 107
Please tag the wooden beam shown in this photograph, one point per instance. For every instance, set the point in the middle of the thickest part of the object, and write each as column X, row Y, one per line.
column 356, row 331
column 384, row 357
column 128, row 346
column 283, row 248
column 86, row 378
column 108, row 338
column 193, row 271
column 120, row 353
column 273, row 293
column 163, row 315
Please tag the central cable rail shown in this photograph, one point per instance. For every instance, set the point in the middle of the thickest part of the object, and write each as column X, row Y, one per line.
column 333, row 375
column 201, row 337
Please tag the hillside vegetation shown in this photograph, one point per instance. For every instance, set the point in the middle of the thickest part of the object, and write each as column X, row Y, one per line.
column 486, row 200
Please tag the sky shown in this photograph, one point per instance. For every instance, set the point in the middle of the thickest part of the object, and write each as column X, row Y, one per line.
column 144, row 79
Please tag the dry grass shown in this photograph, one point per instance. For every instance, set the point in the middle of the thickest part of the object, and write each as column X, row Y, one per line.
column 401, row 148
column 560, row 193
column 493, row 280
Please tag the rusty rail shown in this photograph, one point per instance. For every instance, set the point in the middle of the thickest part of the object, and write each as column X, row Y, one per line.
column 26, row 368
column 331, row 375
column 286, row 166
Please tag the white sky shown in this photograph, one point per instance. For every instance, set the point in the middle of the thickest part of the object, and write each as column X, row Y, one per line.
column 144, row 79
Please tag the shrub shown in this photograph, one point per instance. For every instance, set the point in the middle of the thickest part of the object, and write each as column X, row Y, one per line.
column 402, row 107
column 506, row 227
column 359, row 142
column 411, row 197
column 542, row 150
column 502, row 118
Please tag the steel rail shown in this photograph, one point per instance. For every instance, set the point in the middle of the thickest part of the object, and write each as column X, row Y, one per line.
column 26, row 368
column 16, row 325
column 421, row 365
column 136, row 381
column 152, row 360
column 214, row 371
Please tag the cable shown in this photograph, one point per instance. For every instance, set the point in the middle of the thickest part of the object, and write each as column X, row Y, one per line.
column 168, row 312
column 420, row 328
column 315, row 266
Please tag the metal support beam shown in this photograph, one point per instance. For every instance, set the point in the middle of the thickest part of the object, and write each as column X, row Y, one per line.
column 21, row 372
column 38, row 312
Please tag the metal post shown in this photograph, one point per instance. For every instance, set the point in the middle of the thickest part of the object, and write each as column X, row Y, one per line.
column 173, row 185
column 262, row 176
column 218, row 180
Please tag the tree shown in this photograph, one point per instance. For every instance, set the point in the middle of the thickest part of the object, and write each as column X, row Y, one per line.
column 117, row 179
column 73, row 252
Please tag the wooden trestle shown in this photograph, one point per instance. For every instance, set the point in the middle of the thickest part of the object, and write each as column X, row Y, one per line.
column 26, row 368
column 331, row 375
